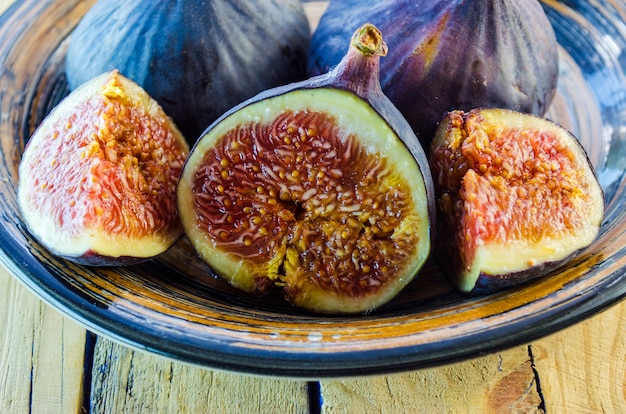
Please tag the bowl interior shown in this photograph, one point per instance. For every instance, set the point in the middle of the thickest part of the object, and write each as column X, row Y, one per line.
column 175, row 306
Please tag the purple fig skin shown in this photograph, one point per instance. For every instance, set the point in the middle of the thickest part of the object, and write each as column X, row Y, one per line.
column 486, row 283
column 93, row 259
column 195, row 64
column 447, row 55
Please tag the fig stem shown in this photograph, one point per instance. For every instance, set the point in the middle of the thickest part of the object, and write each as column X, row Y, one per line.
column 369, row 40
column 359, row 70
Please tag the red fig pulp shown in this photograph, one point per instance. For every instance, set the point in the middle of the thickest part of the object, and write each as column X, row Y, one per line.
column 98, row 177
column 517, row 198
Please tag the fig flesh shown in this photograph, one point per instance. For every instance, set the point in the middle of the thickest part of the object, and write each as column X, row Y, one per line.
column 517, row 197
column 97, row 179
column 450, row 55
column 318, row 190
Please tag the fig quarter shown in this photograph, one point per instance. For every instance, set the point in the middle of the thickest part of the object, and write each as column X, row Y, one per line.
column 517, row 198
column 97, row 178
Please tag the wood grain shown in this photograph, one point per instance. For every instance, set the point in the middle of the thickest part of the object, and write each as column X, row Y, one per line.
column 498, row 383
column 41, row 354
column 583, row 368
column 579, row 370
column 129, row 381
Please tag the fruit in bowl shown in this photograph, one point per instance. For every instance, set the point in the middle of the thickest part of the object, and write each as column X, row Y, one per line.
column 517, row 198
column 319, row 190
column 97, row 178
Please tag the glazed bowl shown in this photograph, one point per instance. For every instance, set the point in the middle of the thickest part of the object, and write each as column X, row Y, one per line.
column 174, row 305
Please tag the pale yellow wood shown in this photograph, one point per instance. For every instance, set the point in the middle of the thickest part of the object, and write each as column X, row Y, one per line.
column 4, row 4
column 314, row 11
column 583, row 369
column 126, row 380
column 499, row 383
column 41, row 354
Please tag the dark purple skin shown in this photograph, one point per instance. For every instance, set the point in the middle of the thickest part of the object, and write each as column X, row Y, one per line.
column 487, row 283
column 90, row 258
column 510, row 62
column 194, row 65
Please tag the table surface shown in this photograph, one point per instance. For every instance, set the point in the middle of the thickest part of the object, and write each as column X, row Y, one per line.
column 51, row 364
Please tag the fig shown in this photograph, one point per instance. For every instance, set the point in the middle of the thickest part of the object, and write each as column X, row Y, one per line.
column 196, row 58
column 450, row 55
column 97, row 179
column 317, row 190
column 517, row 197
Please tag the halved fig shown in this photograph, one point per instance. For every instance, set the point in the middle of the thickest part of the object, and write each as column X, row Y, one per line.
column 517, row 197
column 318, row 189
column 97, row 180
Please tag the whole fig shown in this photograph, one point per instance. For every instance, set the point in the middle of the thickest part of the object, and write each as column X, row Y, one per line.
column 446, row 55
column 318, row 189
column 196, row 58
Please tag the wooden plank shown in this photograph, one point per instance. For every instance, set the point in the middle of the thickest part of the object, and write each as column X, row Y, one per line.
column 41, row 354
column 583, row 369
column 579, row 370
column 314, row 11
column 498, row 383
column 125, row 380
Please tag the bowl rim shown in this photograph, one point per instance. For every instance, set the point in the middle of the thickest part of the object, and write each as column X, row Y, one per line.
column 570, row 304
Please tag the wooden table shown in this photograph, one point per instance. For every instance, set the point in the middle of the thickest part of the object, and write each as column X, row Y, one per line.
column 50, row 364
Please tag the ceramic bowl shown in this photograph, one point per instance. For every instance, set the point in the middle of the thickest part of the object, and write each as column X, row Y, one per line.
column 174, row 306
